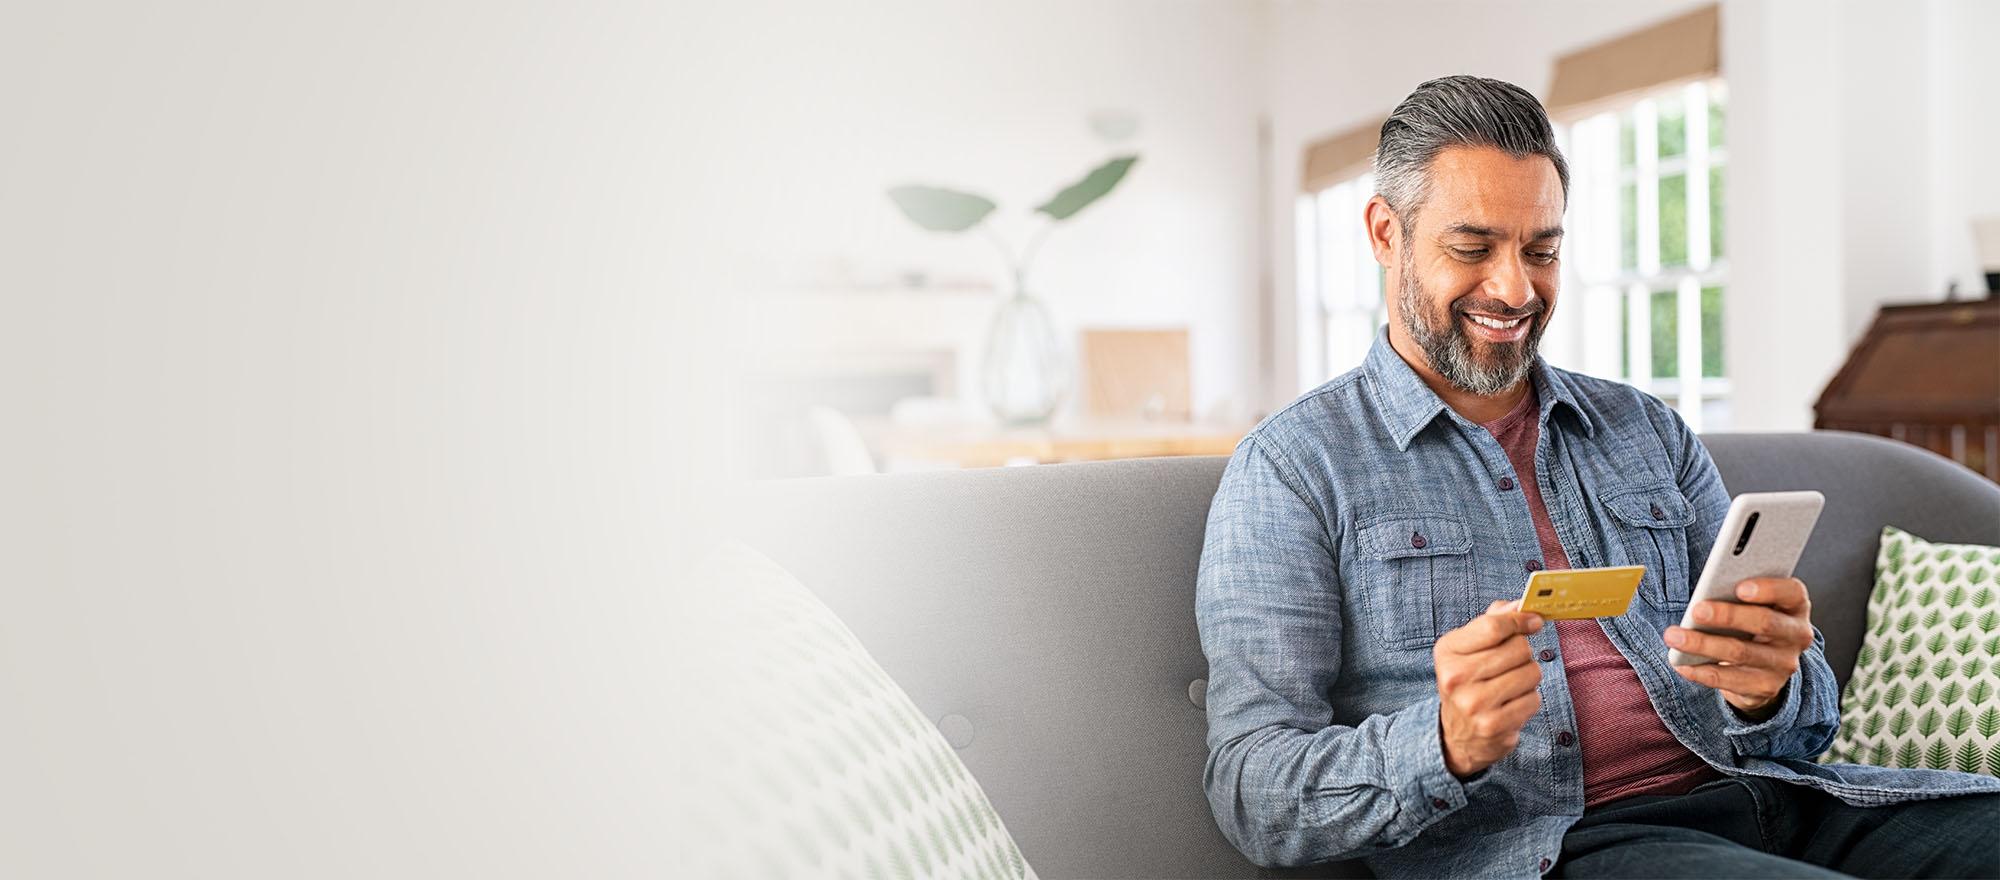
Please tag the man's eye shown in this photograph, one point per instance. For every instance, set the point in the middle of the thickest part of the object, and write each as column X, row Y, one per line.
column 1543, row 256
column 1469, row 253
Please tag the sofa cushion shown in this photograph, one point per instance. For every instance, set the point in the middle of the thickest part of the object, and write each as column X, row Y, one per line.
column 812, row 762
column 1922, row 692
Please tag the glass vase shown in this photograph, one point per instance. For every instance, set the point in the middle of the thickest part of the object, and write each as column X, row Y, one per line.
column 1024, row 374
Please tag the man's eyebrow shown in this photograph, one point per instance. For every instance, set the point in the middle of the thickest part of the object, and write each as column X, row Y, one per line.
column 1489, row 232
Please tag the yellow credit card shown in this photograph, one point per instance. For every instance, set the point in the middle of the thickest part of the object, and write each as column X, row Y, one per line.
column 1572, row 593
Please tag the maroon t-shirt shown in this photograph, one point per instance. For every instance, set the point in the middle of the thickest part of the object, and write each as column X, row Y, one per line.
column 1626, row 749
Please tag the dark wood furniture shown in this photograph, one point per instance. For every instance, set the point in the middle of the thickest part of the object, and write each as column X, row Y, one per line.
column 1928, row 375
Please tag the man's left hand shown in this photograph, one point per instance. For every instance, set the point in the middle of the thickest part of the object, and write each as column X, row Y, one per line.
column 1777, row 614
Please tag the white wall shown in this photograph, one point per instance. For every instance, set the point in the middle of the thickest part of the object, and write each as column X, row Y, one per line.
column 1855, row 133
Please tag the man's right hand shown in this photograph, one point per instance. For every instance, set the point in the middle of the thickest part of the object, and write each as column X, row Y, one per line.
column 1488, row 686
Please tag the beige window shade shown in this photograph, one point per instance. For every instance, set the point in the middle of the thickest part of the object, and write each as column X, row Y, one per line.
column 1682, row 49
column 1342, row 157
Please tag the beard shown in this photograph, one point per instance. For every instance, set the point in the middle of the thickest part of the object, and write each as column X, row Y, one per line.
column 1452, row 351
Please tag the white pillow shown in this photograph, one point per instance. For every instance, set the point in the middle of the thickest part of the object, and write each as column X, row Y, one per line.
column 813, row 762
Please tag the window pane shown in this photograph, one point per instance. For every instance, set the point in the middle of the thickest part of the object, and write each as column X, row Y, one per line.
column 1715, row 116
column 1673, row 220
column 1711, row 332
column 1628, row 226
column 1673, row 128
column 1628, row 145
column 1666, row 336
column 1715, row 189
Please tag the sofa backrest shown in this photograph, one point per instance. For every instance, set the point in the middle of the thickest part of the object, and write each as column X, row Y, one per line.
column 1043, row 617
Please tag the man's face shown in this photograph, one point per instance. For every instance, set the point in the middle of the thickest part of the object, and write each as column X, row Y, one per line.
column 1482, row 252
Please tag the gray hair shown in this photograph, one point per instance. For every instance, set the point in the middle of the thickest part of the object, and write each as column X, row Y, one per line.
column 1457, row 111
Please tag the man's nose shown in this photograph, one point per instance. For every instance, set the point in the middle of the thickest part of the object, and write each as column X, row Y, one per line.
column 1509, row 283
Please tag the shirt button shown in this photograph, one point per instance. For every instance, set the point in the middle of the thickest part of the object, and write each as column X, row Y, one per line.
column 1506, row 483
column 1658, row 513
column 1532, row 565
column 1439, row 803
column 1545, row 864
column 1565, row 738
column 1417, row 540
column 1547, row 654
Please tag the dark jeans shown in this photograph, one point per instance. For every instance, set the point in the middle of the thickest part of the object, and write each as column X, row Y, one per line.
column 1748, row 827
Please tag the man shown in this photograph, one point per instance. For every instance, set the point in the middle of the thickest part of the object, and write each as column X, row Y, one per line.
column 1372, row 692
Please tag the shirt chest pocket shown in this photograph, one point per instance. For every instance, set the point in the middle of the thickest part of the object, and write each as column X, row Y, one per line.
column 1414, row 572
column 1651, row 531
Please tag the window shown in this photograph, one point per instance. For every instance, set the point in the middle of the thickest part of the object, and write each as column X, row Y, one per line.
column 1339, row 283
column 1644, row 269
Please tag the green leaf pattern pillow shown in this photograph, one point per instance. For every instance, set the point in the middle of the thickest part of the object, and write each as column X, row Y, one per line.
column 1926, row 685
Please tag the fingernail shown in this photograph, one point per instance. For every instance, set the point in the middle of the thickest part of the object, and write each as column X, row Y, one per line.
column 1749, row 591
column 1703, row 612
column 1675, row 638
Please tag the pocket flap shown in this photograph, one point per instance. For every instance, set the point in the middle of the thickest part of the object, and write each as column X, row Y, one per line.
column 1652, row 507
column 1397, row 537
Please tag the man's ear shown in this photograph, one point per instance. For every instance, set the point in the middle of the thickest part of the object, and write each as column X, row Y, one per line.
column 1384, row 230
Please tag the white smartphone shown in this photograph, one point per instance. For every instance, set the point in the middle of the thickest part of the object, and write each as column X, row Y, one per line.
column 1763, row 536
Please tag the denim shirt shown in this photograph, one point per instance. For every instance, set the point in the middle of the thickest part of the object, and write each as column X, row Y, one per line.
column 1318, row 604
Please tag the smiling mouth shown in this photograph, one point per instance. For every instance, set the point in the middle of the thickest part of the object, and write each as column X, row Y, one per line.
column 1498, row 330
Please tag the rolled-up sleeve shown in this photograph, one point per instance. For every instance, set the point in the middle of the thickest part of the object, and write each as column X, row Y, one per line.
column 1288, row 787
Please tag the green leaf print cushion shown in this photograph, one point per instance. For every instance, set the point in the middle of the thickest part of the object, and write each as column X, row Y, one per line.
column 1926, row 685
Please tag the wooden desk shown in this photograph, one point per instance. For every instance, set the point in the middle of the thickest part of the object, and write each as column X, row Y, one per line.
column 1076, row 440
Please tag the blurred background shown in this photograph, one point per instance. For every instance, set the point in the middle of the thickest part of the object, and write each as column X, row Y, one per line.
column 1753, row 181
column 372, row 370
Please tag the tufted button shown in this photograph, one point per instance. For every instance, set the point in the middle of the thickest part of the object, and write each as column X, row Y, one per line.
column 1439, row 803
column 1417, row 540
column 1547, row 654
column 1532, row 565
column 1545, row 864
column 1565, row 738
column 1658, row 513
column 1506, row 483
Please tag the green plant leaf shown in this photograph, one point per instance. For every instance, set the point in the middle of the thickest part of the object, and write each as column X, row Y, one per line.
column 1993, row 759
column 1879, row 755
column 1950, row 694
column 1989, row 722
column 1092, row 187
column 1938, row 756
column 941, row 210
column 1908, row 756
column 1928, row 723
column 1873, row 725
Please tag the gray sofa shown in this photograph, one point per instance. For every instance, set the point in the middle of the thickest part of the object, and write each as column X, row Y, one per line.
column 1044, row 616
